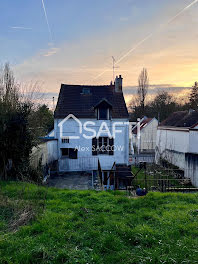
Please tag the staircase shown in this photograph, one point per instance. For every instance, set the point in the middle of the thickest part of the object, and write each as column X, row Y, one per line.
column 123, row 176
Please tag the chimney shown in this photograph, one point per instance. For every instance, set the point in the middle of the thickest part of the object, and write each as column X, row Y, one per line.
column 118, row 84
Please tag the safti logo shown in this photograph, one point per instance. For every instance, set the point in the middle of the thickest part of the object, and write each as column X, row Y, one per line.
column 88, row 127
column 70, row 116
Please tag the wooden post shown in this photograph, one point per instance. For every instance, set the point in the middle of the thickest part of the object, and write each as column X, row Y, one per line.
column 145, row 176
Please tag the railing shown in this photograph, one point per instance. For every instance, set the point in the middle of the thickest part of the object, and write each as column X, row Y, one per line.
column 80, row 164
column 163, row 179
column 143, row 157
column 164, row 185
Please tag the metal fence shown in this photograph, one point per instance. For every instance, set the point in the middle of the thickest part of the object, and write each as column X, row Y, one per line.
column 80, row 164
column 143, row 157
column 155, row 178
column 163, row 185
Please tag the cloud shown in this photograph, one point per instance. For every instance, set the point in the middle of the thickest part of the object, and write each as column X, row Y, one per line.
column 168, row 60
column 51, row 52
column 155, row 88
column 23, row 28
column 180, row 93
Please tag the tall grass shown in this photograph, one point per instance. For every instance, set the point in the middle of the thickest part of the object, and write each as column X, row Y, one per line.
column 97, row 227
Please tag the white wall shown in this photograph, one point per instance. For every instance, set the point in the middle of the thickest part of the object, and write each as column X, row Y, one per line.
column 193, row 141
column 177, row 140
column 172, row 145
column 52, row 150
column 179, row 147
column 71, row 128
column 45, row 152
column 39, row 153
column 148, row 135
column 191, row 168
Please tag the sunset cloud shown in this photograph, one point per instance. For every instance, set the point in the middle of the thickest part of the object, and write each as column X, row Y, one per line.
column 170, row 56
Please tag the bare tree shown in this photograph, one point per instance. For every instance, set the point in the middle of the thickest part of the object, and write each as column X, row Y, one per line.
column 194, row 96
column 8, row 87
column 143, row 84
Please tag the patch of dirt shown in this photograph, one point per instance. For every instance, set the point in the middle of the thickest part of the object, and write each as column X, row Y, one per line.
column 22, row 218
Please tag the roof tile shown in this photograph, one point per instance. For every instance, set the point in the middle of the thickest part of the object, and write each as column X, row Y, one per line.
column 72, row 101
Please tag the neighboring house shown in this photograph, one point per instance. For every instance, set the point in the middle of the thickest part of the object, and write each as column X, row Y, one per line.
column 177, row 142
column 146, row 141
column 81, row 110
column 46, row 152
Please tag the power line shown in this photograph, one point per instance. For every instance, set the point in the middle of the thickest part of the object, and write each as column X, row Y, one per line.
column 149, row 36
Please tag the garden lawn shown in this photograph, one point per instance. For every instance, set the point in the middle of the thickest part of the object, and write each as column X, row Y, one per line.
column 46, row 225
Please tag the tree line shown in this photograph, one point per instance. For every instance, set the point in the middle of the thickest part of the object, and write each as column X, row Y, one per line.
column 162, row 105
column 22, row 122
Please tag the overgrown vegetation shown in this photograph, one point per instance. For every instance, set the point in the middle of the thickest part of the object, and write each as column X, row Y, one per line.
column 96, row 227
column 21, row 124
column 41, row 121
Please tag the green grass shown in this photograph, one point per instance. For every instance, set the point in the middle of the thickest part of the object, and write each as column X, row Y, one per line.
column 140, row 178
column 159, row 176
column 96, row 227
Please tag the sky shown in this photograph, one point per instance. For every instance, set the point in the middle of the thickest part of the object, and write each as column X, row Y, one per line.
column 60, row 41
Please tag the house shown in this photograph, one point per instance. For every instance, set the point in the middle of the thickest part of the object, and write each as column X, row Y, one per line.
column 91, row 129
column 45, row 153
column 177, row 142
column 146, row 140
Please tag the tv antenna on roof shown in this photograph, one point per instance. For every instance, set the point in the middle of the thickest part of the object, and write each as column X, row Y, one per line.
column 53, row 103
column 114, row 67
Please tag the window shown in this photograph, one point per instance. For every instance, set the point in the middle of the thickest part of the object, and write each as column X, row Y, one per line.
column 65, row 152
column 102, row 145
column 65, row 140
column 73, row 153
column 70, row 153
column 103, row 110
column 103, row 113
column 86, row 91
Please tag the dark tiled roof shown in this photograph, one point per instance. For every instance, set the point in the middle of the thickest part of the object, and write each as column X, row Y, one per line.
column 71, row 100
column 181, row 119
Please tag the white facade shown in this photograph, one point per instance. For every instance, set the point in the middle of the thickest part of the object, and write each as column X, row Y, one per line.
column 85, row 160
column 177, row 146
column 193, row 141
column 44, row 153
column 148, row 134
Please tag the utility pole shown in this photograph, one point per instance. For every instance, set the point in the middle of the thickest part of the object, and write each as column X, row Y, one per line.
column 138, row 134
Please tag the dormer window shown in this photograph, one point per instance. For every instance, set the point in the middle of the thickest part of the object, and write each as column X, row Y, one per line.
column 103, row 110
column 103, row 113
